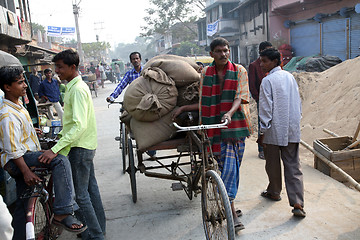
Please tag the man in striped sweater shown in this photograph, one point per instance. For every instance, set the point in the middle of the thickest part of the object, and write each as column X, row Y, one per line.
column 224, row 94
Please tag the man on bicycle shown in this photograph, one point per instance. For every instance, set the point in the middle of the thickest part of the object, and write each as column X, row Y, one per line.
column 131, row 75
column 224, row 94
column 20, row 149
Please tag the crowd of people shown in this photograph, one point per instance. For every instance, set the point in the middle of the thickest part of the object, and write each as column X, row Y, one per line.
column 224, row 94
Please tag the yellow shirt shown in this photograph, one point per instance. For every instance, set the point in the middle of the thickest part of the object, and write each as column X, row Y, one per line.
column 17, row 134
column 79, row 123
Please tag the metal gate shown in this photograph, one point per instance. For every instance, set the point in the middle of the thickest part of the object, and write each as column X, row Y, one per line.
column 335, row 37
column 354, row 35
column 305, row 39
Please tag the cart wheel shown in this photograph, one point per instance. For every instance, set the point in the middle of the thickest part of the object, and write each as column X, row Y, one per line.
column 216, row 210
column 123, row 144
column 132, row 170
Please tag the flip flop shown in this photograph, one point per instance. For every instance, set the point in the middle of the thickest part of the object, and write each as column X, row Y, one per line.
column 239, row 213
column 67, row 223
column 299, row 212
column 238, row 226
column 268, row 195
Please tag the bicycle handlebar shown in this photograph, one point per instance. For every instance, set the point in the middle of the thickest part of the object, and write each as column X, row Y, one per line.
column 201, row 127
column 109, row 103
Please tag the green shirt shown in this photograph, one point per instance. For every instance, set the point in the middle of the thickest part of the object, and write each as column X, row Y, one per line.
column 79, row 123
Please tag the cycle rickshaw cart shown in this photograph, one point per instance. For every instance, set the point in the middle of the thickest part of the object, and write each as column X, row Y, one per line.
column 199, row 175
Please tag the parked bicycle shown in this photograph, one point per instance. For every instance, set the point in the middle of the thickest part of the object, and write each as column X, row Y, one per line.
column 41, row 197
column 39, row 211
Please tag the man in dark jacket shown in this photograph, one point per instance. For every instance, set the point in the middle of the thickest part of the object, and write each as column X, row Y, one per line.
column 255, row 77
column 34, row 81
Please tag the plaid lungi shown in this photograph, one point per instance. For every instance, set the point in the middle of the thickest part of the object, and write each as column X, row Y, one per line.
column 229, row 164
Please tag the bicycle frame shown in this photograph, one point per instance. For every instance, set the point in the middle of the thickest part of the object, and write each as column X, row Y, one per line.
column 216, row 209
column 192, row 146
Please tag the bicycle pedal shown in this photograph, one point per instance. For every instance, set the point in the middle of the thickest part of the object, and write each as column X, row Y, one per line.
column 177, row 186
column 117, row 138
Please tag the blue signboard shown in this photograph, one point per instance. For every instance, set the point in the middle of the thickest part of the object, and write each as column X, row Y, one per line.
column 54, row 31
column 67, row 30
column 60, row 31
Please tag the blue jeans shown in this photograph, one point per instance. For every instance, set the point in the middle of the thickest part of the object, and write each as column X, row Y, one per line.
column 91, row 210
column 64, row 202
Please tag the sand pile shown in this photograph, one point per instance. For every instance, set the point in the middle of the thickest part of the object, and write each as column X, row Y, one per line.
column 331, row 100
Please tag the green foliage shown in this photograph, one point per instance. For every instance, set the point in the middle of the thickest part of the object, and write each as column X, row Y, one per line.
column 37, row 27
column 166, row 13
column 71, row 41
column 95, row 49
column 183, row 32
column 145, row 46
column 188, row 49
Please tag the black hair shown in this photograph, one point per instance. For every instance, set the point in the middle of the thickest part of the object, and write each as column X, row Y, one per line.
column 219, row 41
column 69, row 57
column 264, row 45
column 47, row 70
column 272, row 54
column 133, row 53
column 8, row 75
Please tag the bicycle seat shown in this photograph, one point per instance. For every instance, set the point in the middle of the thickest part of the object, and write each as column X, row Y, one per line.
column 188, row 118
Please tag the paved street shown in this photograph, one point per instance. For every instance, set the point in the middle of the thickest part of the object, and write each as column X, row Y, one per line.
column 333, row 210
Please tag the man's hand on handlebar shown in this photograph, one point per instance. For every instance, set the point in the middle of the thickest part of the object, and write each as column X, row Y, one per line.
column 226, row 116
column 109, row 100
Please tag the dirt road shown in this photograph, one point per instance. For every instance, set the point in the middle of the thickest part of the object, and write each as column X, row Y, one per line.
column 333, row 210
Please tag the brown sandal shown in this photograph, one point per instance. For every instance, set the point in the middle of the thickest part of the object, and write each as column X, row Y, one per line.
column 268, row 195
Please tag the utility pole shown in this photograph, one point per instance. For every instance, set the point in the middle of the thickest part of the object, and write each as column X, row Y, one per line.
column 79, row 46
column 98, row 29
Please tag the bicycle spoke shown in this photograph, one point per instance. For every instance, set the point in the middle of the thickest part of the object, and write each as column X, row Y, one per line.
column 40, row 220
column 215, row 219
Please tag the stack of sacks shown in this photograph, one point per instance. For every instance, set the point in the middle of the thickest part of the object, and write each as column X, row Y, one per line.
column 152, row 98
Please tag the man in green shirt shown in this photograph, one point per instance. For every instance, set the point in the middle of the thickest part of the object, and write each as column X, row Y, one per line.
column 78, row 141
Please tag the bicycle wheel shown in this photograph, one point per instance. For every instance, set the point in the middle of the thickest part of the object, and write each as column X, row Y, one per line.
column 39, row 227
column 216, row 210
column 132, row 170
column 123, row 144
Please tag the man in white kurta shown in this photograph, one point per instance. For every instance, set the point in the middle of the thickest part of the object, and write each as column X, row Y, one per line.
column 280, row 115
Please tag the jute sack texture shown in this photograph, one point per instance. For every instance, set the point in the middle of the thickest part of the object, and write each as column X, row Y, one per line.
column 188, row 94
column 148, row 134
column 125, row 118
column 181, row 69
column 148, row 100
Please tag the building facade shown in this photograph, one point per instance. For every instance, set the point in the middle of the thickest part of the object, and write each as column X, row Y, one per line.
column 15, row 24
column 311, row 27
column 317, row 27
column 221, row 21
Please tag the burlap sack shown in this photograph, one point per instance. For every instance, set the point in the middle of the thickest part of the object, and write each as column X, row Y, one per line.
column 182, row 70
column 188, row 95
column 190, row 61
column 148, row 134
column 125, row 118
column 148, row 100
